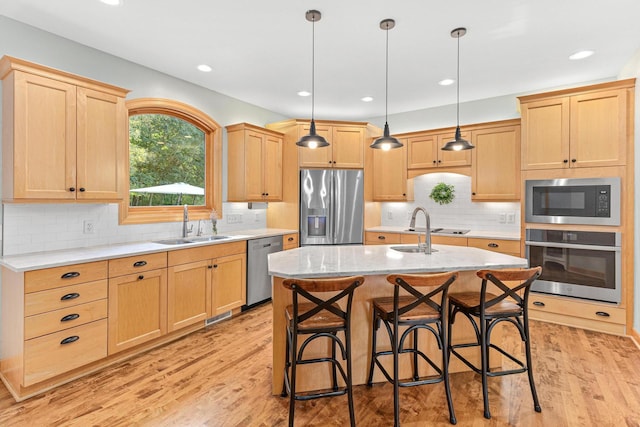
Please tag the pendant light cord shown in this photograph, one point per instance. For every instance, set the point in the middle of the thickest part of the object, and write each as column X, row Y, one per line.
column 313, row 64
column 386, row 81
column 458, row 85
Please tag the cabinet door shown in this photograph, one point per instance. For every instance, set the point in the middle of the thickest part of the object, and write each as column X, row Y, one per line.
column 453, row 158
column 496, row 164
column 315, row 157
column 229, row 283
column 253, row 166
column 189, row 294
column 545, row 134
column 272, row 164
column 101, row 145
column 598, row 129
column 422, row 152
column 44, row 129
column 137, row 309
column 347, row 145
column 390, row 174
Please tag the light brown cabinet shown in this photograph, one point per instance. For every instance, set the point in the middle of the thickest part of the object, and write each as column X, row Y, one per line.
column 290, row 241
column 390, row 183
column 585, row 127
column 424, row 150
column 254, row 164
column 508, row 247
column 189, row 294
column 137, row 300
column 54, row 321
column 495, row 169
column 229, row 283
column 55, row 118
column 346, row 149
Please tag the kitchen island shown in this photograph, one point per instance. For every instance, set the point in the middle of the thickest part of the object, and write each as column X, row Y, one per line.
column 374, row 262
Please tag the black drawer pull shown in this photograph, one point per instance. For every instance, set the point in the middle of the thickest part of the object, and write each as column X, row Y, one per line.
column 381, row 237
column 67, row 297
column 70, row 275
column 290, row 239
column 69, row 340
column 140, row 263
column 538, row 303
column 493, row 245
column 69, row 317
column 602, row 314
column 140, row 277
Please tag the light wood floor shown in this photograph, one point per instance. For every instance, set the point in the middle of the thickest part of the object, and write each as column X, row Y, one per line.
column 221, row 376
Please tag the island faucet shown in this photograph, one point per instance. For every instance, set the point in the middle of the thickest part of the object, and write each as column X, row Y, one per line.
column 427, row 232
column 185, row 221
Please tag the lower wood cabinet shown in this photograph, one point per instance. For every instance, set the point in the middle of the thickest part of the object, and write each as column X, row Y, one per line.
column 290, row 241
column 508, row 247
column 229, row 283
column 189, row 295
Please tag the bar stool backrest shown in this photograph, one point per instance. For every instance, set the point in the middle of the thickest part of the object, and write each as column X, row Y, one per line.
column 511, row 282
column 306, row 288
column 409, row 282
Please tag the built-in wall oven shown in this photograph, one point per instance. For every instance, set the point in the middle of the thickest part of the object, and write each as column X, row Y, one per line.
column 592, row 201
column 582, row 264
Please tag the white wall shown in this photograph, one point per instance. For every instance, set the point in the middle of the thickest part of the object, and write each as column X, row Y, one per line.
column 33, row 227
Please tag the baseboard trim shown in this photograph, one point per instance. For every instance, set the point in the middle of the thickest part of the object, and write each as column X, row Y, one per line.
column 635, row 336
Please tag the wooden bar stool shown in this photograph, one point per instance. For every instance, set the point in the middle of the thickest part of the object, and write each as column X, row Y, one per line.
column 417, row 311
column 485, row 310
column 319, row 318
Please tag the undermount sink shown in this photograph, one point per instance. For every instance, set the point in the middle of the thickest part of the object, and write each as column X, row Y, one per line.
column 410, row 249
column 185, row 240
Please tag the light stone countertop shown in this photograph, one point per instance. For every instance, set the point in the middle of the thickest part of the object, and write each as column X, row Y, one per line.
column 484, row 234
column 348, row 260
column 39, row 260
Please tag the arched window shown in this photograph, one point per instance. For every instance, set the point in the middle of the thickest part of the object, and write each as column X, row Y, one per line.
column 174, row 158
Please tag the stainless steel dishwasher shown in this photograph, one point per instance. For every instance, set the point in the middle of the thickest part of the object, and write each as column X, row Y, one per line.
column 258, row 279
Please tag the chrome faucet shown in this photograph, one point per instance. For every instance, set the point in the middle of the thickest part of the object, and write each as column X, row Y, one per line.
column 427, row 232
column 185, row 221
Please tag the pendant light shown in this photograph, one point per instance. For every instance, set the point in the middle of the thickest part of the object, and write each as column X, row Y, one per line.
column 386, row 142
column 312, row 140
column 458, row 143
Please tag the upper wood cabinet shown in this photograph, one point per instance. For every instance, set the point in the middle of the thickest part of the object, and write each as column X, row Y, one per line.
column 577, row 128
column 346, row 149
column 390, row 175
column 254, row 164
column 424, row 150
column 495, row 170
column 64, row 137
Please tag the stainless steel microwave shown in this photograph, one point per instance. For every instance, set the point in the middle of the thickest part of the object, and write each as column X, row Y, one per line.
column 573, row 201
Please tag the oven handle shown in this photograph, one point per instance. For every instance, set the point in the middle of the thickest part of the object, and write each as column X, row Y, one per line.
column 573, row 246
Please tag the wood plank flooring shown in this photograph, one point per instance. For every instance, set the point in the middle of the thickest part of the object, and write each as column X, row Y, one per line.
column 220, row 376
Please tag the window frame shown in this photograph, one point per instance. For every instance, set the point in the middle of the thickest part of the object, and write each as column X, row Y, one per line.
column 213, row 164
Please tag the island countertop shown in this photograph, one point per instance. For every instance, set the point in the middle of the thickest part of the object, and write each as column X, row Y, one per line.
column 348, row 260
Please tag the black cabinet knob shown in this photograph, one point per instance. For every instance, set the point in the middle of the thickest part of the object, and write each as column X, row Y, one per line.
column 565, row 161
column 72, row 189
column 82, row 190
column 140, row 277
column 573, row 160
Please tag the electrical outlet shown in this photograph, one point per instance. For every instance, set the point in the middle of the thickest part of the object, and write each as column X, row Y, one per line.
column 511, row 218
column 234, row 218
column 88, row 226
column 503, row 217
column 389, row 215
column 257, row 217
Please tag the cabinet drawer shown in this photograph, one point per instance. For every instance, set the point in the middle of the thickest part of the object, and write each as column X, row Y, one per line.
column 289, row 241
column 184, row 256
column 49, row 278
column 47, row 356
column 137, row 264
column 509, row 247
column 569, row 307
column 376, row 238
column 59, row 320
column 60, row 298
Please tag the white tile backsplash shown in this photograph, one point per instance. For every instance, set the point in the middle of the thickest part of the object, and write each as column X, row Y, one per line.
column 46, row 227
column 460, row 213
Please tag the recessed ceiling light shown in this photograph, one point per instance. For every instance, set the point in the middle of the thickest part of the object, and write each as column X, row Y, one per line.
column 304, row 93
column 446, row 82
column 204, row 68
column 366, row 99
column 581, row 54
column 112, row 2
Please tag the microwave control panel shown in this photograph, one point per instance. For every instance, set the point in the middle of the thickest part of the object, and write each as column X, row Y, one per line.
column 603, row 201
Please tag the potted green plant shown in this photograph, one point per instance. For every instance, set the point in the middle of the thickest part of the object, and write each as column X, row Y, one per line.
column 442, row 193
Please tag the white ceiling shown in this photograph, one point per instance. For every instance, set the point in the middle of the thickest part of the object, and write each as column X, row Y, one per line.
column 260, row 50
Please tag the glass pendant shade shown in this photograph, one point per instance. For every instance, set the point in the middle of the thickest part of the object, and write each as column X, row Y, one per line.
column 386, row 142
column 458, row 143
column 312, row 140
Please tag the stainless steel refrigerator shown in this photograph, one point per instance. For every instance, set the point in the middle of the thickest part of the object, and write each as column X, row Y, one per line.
column 331, row 206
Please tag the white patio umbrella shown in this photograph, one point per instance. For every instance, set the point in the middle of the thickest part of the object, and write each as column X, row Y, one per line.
column 179, row 188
